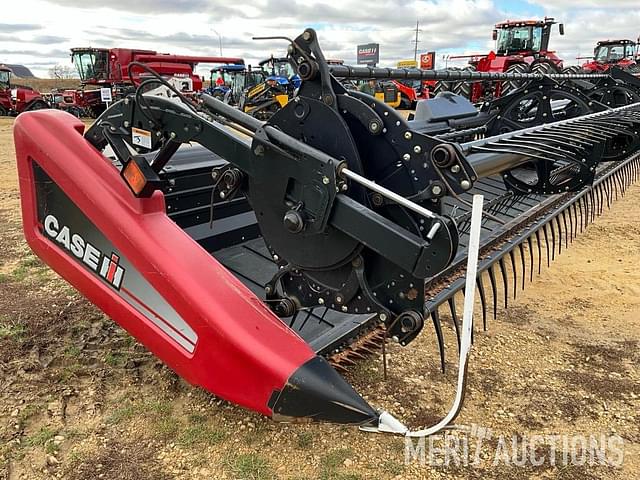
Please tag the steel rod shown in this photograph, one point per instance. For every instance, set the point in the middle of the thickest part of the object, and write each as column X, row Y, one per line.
column 232, row 113
column 388, row 194
column 347, row 71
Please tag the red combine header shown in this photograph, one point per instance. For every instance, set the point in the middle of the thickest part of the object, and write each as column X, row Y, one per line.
column 102, row 67
column 15, row 99
column 262, row 254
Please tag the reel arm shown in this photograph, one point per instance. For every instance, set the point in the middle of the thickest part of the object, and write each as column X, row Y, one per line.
column 174, row 125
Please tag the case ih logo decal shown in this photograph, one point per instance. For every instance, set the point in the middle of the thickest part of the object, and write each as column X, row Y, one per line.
column 105, row 266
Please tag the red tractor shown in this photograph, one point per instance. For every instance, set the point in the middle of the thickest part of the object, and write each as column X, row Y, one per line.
column 15, row 99
column 101, row 67
column 624, row 54
column 413, row 90
column 521, row 46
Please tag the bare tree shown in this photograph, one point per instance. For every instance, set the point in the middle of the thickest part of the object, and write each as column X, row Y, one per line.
column 62, row 71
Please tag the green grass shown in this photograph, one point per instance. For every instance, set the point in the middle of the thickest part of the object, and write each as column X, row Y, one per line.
column 250, row 466
column 197, row 418
column 115, row 359
column 165, row 427
column 40, row 438
column 69, row 372
column 26, row 267
column 27, row 413
column 72, row 351
column 14, row 331
column 331, row 464
column 305, row 439
column 31, row 262
column 156, row 412
column 392, row 467
column 200, row 434
column 126, row 412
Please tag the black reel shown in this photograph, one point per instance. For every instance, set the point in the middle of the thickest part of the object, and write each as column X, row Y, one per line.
column 319, row 263
column 558, row 165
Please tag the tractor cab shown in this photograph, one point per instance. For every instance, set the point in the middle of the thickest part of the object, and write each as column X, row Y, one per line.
column 615, row 51
column 92, row 64
column 527, row 38
column 236, row 79
column 607, row 53
column 5, row 78
column 279, row 70
column 15, row 99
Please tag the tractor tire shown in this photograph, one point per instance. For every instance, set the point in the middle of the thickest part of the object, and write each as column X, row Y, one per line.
column 633, row 69
column 509, row 86
column 95, row 111
column 543, row 67
column 37, row 105
column 440, row 87
column 573, row 69
column 464, row 88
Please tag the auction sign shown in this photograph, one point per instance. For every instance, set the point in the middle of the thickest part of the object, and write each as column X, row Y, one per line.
column 369, row 54
column 428, row 61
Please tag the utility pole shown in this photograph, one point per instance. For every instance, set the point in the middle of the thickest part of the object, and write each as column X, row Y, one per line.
column 416, row 41
column 219, row 39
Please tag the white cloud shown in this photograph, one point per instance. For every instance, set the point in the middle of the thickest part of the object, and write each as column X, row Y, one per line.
column 41, row 31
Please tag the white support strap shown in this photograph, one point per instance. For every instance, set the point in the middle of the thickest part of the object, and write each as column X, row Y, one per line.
column 387, row 423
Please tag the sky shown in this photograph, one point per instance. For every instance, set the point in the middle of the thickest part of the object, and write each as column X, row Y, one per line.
column 40, row 33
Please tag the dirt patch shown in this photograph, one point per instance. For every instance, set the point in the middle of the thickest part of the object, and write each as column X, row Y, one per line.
column 117, row 462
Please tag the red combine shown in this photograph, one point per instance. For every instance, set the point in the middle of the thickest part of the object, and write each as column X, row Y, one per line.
column 101, row 67
column 521, row 46
column 15, row 99
column 624, row 54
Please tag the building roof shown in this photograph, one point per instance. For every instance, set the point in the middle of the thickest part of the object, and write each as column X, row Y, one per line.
column 19, row 70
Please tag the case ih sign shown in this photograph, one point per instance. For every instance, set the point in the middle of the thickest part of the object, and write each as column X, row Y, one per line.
column 369, row 54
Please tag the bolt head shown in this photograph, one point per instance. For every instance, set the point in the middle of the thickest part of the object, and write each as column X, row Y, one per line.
column 436, row 189
column 417, row 149
column 383, row 317
column 408, row 135
column 293, row 221
column 465, row 184
column 406, row 157
column 325, row 180
column 321, row 301
column 455, row 169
